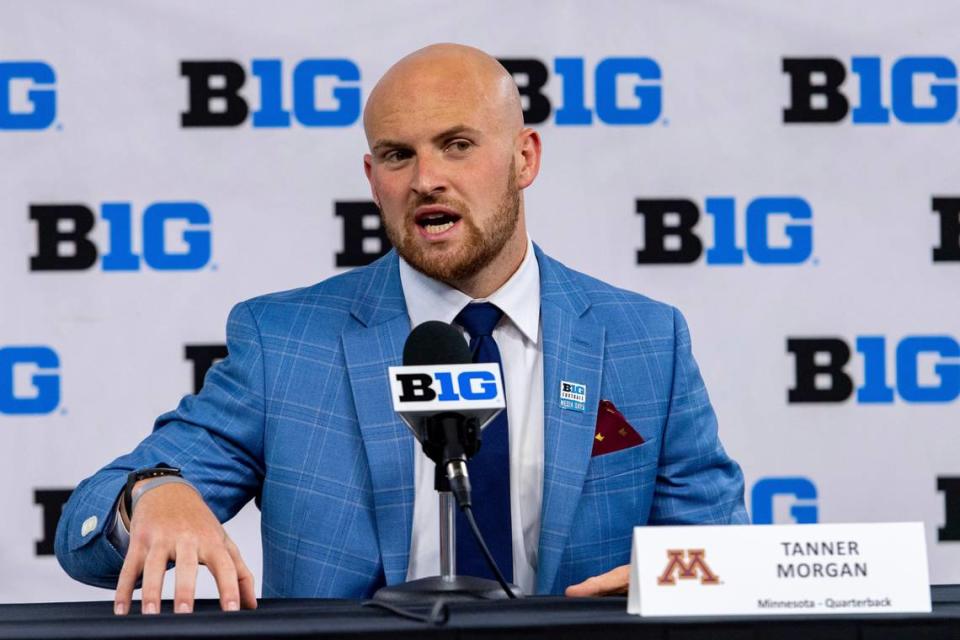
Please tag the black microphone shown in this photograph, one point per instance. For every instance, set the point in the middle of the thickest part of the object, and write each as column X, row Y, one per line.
column 446, row 399
column 448, row 438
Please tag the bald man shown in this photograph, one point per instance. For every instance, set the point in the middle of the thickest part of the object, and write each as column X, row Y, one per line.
column 299, row 415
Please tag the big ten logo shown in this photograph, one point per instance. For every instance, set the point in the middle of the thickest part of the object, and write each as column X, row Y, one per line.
column 949, row 211
column 950, row 531
column 51, row 501
column 29, row 381
column 927, row 370
column 466, row 385
column 203, row 356
column 323, row 93
column 771, row 230
column 781, row 500
column 920, row 90
column 28, row 97
column 626, row 91
column 687, row 564
column 175, row 237
column 364, row 238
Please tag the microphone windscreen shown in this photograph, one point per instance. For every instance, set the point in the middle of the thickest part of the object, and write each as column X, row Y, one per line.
column 435, row 342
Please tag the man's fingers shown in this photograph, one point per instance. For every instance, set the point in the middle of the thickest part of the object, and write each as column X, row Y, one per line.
column 127, row 582
column 248, row 592
column 153, row 569
column 225, row 573
column 610, row 583
column 186, row 580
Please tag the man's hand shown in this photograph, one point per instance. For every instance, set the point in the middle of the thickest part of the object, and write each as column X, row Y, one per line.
column 172, row 522
column 611, row 583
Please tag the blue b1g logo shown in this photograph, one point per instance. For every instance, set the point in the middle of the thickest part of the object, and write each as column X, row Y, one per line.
column 29, row 383
column 670, row 236
column 215, row 101
column 63, row 242
column 800, row 491
column 922, row 90
column 926, row 370
column 36, row 107
column 640, row 105
column 467, row 385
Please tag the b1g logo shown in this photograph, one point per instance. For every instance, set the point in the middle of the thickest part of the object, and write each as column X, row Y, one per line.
column 821, row 376
column 640, row 105
column 467, row 385
column 798, row 491
column 28, row 98
column 29, row 382
column 670, row 237
column 214, row 93
column 923, row 90
column 63, row 242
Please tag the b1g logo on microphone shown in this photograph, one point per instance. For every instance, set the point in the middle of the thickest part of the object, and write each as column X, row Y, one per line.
column 777, row 230
column 799, row 492
column 922, row 90
column 927, row 370
column 627, row 91
column 323, row 92
column 28, row 97
column 446, row 387
column 175, row 237
column 29, row 381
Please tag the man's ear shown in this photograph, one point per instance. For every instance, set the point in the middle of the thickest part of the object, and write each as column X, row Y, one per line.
column 528, row 157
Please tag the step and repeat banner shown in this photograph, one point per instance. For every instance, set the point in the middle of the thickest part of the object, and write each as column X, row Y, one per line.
column 784, row 173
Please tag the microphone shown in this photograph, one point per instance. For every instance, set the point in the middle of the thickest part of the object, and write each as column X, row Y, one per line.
column 446, row 399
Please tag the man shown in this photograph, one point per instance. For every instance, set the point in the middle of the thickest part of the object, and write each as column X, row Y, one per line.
column 299, row 415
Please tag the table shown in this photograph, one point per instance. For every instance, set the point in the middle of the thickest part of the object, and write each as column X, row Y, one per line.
column 539, row 617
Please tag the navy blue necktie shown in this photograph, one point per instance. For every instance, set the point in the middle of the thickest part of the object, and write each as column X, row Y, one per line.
column 490, row 468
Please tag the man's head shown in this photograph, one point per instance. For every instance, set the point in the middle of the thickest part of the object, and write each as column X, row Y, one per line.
column 448, row 158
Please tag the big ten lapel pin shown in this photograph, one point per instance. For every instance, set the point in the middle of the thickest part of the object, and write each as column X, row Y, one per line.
column 573, row 396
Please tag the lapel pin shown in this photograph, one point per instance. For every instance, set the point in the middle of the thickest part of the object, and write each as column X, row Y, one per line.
column 573, row 396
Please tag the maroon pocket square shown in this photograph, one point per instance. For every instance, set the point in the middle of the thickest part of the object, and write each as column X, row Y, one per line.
column 614, row 433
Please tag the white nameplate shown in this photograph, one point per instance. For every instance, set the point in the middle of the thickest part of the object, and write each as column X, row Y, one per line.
column 779, row 569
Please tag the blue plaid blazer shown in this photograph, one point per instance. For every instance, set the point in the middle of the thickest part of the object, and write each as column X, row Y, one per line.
column 299, row 417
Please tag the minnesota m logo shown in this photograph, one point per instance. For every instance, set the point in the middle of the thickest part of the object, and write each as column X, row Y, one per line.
column 688, row 569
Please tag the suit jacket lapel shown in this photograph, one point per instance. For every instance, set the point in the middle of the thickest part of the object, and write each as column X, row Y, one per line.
column 369, row 348
column 572, row 352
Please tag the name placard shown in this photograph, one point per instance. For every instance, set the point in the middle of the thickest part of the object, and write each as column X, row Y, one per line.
column 779, row 569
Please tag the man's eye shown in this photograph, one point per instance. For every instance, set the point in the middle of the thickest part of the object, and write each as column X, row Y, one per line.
column 397, row 155
column 460, row 145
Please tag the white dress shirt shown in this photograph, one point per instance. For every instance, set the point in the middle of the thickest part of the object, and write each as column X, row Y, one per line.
column 520, row 342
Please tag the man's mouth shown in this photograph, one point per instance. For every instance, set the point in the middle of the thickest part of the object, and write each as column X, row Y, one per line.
column 435, row 220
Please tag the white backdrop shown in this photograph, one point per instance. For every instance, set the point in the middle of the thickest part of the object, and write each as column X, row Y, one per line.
column 107, row 129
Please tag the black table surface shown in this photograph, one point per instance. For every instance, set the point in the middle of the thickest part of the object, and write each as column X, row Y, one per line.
column 538, row 617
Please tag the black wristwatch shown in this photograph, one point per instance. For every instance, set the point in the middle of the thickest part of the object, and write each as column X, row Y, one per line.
column 142, row 474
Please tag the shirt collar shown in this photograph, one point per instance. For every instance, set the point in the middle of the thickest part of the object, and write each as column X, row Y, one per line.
column 518, row 297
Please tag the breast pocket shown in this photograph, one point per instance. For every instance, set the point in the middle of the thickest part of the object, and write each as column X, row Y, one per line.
column 634, row 460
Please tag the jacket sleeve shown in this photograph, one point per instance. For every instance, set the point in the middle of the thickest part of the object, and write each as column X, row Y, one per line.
column 697, row 482
column 215, row 437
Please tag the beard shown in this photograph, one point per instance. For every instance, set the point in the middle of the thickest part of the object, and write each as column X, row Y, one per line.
column 478, row 247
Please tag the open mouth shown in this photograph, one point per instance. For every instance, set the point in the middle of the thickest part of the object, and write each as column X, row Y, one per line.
column 435, row 221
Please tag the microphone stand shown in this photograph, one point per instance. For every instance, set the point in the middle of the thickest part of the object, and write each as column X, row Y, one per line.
column 447, row 438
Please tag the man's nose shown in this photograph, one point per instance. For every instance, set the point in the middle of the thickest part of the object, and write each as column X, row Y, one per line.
column 428, row 175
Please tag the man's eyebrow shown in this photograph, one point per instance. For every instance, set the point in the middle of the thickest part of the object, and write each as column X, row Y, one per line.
column 388, row 144
column 455, row 130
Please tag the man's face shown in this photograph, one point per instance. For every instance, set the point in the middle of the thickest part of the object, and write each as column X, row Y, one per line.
column 443, row 172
